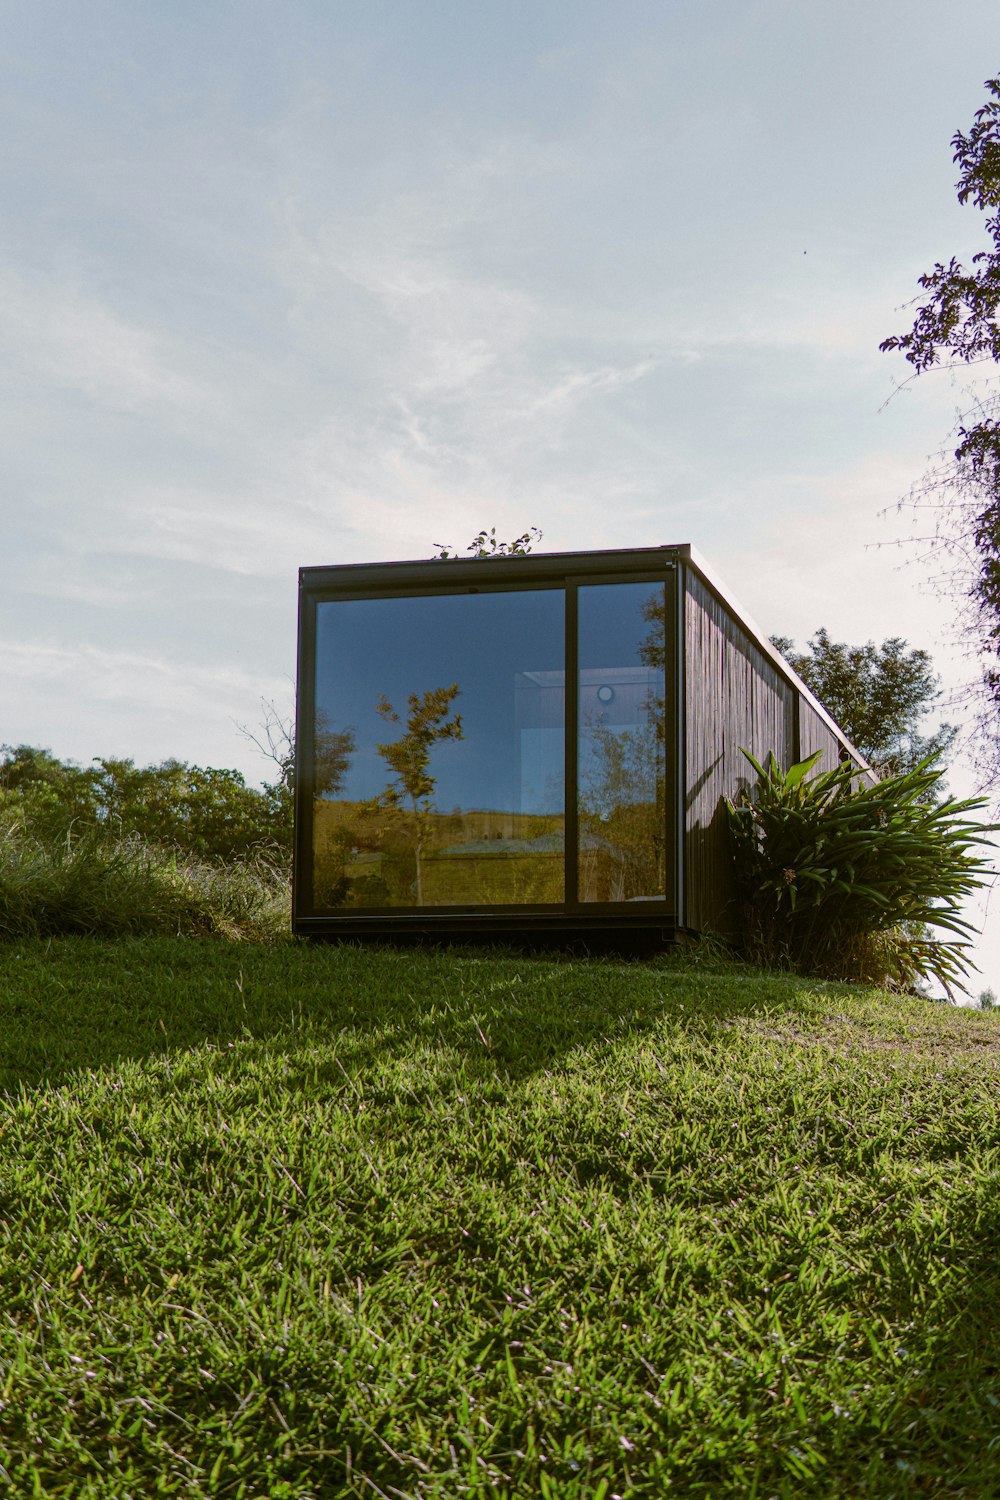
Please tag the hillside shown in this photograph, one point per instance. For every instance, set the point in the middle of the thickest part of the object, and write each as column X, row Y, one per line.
column 297, row 1222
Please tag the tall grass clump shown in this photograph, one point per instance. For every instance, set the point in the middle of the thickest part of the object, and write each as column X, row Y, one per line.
column 844, row 881
column 110, row 887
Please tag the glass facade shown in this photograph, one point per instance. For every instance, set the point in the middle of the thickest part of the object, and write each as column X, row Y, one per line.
column 439, row 751
column 621, row 787
column 486, row 748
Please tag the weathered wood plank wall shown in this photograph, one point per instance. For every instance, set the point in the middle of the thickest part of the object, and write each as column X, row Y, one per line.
column 734, row 700
column 815, row 734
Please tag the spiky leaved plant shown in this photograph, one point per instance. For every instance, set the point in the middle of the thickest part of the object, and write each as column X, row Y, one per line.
column 844, row 880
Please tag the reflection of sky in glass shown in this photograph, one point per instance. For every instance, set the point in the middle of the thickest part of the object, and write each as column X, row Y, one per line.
column 615, row 684
column 612, row 626
column 501, row 649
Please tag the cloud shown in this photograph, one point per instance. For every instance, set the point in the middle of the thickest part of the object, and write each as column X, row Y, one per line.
column 67, row 337
column 121, row 702
column 821, row 551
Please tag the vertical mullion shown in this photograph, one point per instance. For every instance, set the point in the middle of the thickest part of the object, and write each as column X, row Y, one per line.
column 304, row 771
column 572, row 710
column 674, row 664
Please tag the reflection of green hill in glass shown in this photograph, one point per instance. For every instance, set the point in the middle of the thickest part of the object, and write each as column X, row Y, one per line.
column 625, row 861
column 366, row 859
column 549, row 843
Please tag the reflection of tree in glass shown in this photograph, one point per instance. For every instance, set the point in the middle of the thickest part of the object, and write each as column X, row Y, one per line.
column 332, row 751
column 623, row 780
column 409, row 757
column 623, row 767
column 653, row 653
column 622, row 803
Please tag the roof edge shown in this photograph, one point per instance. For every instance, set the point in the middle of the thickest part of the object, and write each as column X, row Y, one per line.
column 698, row 564
column 465, row 570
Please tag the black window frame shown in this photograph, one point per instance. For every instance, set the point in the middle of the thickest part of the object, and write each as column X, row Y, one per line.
column 569, row 572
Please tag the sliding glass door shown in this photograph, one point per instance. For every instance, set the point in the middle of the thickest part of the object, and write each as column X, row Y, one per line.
column 497, row 747
column 621, row 740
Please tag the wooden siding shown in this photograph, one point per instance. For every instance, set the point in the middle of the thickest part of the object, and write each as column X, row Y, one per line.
column 815, row 734
column 734, row 700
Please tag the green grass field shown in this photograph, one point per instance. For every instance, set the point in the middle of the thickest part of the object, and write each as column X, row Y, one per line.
column 281, row 1221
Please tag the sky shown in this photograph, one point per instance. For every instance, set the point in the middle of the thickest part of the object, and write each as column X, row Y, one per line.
column 310, row 283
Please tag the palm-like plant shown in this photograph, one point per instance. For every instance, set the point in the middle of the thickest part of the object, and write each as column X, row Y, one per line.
column 845, row 880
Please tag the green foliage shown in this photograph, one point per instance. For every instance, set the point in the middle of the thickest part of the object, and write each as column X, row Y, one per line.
column 118, row 848
column 92, row 883
column 877, row 694
column 485, row 544
column 959, row 320
column 304, row 1222
column 38, row 791
column 205, row 812
column 838, row 879
column 959, row 323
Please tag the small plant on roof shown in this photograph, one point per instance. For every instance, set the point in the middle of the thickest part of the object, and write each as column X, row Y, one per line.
column 486, row 545
column 844, row 880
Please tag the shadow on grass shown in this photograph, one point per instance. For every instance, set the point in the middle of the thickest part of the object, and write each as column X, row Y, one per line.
column 83, row 1003
column 79, row 1004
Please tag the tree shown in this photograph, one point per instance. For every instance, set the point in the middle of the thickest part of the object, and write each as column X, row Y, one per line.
column 275, row 739
column 200, row 810
column 877, row 694
column 623, row 774
column 45, row 794
column 958, row 325
column 960, row 318
column 409, row 758
column 207, row 811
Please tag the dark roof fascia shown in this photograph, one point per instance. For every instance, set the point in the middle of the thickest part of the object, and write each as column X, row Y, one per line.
column 469, row 572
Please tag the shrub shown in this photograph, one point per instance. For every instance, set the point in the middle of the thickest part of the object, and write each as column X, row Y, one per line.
column 201, row 811
column 113, row 887
column 844, row 880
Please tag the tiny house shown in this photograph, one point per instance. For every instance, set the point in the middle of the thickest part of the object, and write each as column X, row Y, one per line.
column 530, row 748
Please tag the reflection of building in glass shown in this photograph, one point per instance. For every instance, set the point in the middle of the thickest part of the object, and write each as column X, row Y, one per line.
column 539, row 722
column 532, row 744
column 621, row 766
